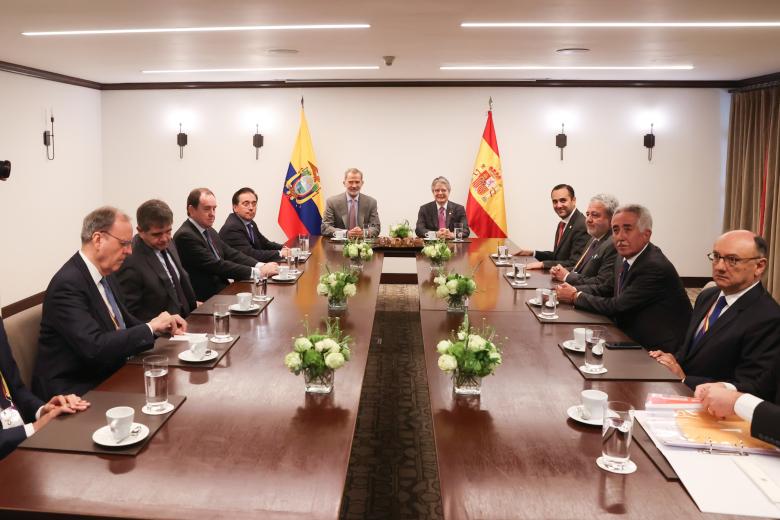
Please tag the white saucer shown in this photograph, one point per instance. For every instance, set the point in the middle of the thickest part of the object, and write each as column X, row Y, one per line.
column 603, row 370
column 279, row 278
column 294, row 272
column 535, row 302
column 236, row 308
column 189, row 357
column 628, row 467
column 334, row 239
column 103, row 436
column 546, row 318
column 214, row 339
column 512, row 275
column 168, row 407
column 569, row 344
column 260, row 298
column 575, row 412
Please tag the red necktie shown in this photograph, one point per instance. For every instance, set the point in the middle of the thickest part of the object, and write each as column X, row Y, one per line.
column 561, row 227
column 442, row 218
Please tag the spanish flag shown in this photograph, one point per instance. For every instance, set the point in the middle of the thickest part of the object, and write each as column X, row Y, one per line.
column 301, row 207
column 485, row 205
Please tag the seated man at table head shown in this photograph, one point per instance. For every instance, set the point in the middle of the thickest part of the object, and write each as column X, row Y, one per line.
column 734, row 335
column 646, row 298
column 210, row 262
column 87, row 332
column 352, row 210
column 241, row 232
column 22, row 413
column 441, row 215
column 596, row 265
column 571, row 234
column 757, row 403
column 152, row 277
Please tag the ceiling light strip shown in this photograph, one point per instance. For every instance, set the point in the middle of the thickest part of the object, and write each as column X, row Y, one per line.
column 199, row 29
column 610, row 25
column 263, row 69
column 541, row 67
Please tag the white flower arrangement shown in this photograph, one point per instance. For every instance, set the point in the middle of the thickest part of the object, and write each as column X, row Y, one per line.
column 438, row 252
column 316, row 352
column 470, row 352
column 358, row 249
column 454, row 287
column 401, row 230
column 338, row 285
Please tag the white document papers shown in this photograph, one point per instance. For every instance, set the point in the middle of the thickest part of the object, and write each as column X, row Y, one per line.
column 715, row 481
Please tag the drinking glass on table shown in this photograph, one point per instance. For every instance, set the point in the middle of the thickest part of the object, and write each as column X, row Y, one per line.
column 548, row 303
column 156, row 382
column 221, row 322
column 503, row 253
column 260, row 289
column 458, row 234
column 518, row 270
column 303, row 242
column 594, row 348
column 616, row 437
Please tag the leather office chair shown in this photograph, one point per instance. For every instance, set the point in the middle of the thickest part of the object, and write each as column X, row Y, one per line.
column 23, row 329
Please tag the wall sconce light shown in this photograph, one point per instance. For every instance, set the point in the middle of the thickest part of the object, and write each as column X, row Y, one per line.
column 181, row 140
column 560, row 141
column 48, row 139
column 257, row 141
column 650, row 143
column 5, row 170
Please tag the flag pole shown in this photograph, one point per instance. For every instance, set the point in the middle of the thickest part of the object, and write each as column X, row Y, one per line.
column 490, row 104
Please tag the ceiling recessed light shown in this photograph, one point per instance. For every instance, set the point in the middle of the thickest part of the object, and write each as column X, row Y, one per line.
column 199, row 29
column 543, row 67
column 264, row 69
column 572, row 50
column 608, row 25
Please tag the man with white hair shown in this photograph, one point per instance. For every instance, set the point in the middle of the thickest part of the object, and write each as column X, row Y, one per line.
column 646, row 299
column 441, row 215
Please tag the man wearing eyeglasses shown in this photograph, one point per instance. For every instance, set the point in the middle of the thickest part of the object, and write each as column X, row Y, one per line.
column 240, row 231
column 734, row 335
column 87, row 333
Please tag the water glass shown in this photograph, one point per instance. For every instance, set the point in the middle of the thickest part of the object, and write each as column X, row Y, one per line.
column 549, row 303
column 221, row 321
column 594, row 348
column 156, row 382
column 616, row 435
column 303, row 242
column 503, row 253
column 295, row 252
column 260, row 290
column 518, row 270
column 458, row 234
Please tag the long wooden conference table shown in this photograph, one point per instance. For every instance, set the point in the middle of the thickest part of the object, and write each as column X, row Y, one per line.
column 249, row 443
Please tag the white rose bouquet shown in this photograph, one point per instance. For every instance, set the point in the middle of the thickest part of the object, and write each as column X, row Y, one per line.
column 454, row 288
column 401, row 230
column 358, row 251
column 337, row 286
column 317, row 354
column 469, row 356
column 438, row 252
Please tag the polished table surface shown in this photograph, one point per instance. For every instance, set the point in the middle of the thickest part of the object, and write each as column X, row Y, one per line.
column 248, row 443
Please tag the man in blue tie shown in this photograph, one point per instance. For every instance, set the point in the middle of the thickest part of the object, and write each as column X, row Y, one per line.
column 87, row 333
column 241, row 232
column 646, row 299
column 734, row 335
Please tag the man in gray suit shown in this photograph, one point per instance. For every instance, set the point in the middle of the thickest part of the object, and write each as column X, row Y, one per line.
column 441, row 215
column 352, row 211
column 596, row 266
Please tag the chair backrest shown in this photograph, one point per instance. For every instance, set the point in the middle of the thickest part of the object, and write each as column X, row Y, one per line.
column 23, row 329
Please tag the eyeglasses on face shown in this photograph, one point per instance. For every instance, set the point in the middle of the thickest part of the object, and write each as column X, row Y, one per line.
column 730, row 260
column 123, row 243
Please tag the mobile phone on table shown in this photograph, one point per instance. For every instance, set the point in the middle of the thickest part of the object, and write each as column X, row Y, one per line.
column 623, row 345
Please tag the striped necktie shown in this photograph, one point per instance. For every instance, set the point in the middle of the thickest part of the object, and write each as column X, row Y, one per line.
column 116, row 316
column 710, row 319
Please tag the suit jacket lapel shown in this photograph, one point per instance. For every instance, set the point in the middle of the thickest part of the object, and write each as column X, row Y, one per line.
column 159, row 270
column 94, row 295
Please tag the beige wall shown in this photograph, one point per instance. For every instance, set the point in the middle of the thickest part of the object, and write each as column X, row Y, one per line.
column 42, row 204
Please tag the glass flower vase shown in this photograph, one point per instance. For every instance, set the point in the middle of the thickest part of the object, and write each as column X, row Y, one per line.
column 356, row 263
column 466, row 384
column 337, row 304
column 457, row 303
column 318, row 384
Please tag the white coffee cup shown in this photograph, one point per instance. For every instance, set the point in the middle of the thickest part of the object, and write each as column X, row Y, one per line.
column 120, row 421
column 430, row 234
column 593, row 404
column 244, row 300
column 340, row 233
column 579, row 336
column 199, row 348
column 284, row 271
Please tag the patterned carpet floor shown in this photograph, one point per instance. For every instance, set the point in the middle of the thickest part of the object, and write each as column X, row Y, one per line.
column 392, row 470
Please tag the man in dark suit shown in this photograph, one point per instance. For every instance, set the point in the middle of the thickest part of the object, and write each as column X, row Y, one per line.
column 758, row 403
column 571, row 235
column 152, row 277
column 21, row 413
column 734, row 335
column 87, row 333
column 596, row 265
column 209, row 261
column 646, row 299
column 352, row 211
column 441, row 215
column 241, row 233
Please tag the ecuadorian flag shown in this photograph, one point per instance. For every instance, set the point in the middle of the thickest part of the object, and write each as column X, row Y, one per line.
column 485, row 204
column 301, row 208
